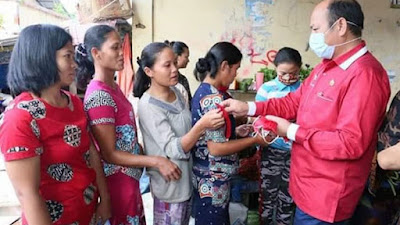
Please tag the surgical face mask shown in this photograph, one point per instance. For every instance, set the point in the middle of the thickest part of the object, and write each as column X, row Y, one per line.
column 288, row 78
column 320, row 48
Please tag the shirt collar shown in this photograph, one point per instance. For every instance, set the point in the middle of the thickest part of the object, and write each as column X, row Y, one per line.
column 344, row 61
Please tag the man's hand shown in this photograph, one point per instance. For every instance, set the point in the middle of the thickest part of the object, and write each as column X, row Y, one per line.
column 235, row 107
column 283, row 125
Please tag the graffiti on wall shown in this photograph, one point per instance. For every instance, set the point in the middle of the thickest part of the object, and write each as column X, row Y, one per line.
column 246, row 42
column 256, row 12
column 269, row 57
column 250, row 33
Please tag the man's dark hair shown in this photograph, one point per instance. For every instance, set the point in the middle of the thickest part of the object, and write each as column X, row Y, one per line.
column 351, row 11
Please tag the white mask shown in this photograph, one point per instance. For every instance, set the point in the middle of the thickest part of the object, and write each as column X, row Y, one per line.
column 320, row 48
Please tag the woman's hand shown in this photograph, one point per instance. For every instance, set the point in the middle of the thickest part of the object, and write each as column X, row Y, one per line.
column 169, row 170
column 244, row 130
column 258, row 139
column 212, row 119
column 103, row 210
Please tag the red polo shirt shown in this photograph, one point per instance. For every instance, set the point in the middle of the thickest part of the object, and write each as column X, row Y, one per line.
column 339, row 109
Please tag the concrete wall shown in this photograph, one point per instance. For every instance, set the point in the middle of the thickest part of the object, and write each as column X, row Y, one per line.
column 30, row 12
column 30, row 15
column 18, row 15
column 258, row 28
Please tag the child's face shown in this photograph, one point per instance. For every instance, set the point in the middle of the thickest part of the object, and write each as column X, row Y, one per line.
column 288, row 73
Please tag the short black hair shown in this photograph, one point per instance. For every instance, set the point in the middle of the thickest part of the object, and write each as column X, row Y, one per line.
column 351, row 11
column 94, row 38
column 288, row 55
column 177, row 46
column 33, row 65
column 221, row 51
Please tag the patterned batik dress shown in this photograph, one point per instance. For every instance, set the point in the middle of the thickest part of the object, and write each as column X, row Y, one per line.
column 105, row 105
column 211, row 174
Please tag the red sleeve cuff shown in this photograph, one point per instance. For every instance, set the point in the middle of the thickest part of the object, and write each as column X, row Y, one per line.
column 301, row 135
column 259, row 108
column 21, row 155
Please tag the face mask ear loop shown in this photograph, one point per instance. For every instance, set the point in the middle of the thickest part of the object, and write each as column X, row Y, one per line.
column 355, row 39
column 331, row 27
column 349, row 22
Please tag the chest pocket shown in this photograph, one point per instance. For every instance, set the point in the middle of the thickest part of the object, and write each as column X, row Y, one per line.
column 321, row 95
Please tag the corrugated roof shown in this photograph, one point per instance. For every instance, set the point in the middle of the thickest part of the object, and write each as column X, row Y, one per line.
column 49, row 4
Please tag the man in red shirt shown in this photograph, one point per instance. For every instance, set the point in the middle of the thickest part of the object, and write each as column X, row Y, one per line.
column 338, row 111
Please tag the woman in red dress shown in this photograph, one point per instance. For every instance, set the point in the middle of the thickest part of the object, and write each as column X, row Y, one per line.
column 54, row 168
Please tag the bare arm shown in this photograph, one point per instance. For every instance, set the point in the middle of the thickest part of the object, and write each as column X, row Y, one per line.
column 103, row 210
column 389, row 159
column 26, row 185
column 233, row 146
column 105, row 136
column 212, row 119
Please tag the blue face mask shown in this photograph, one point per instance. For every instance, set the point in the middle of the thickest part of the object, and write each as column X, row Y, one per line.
column 320, row 48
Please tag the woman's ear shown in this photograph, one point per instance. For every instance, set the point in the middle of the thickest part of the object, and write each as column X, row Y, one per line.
column 224, row 65
column 95, row 53
column 148, row 72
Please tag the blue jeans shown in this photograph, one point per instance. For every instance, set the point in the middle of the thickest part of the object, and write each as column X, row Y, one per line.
column 302, row 218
